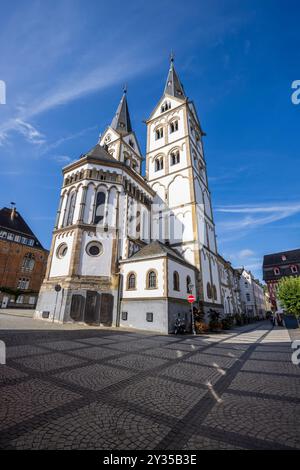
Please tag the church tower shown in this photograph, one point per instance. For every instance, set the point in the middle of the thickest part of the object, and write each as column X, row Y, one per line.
column 102, row 193
column 176, row 170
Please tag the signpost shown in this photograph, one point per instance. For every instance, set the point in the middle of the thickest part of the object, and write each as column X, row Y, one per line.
column 191, row 299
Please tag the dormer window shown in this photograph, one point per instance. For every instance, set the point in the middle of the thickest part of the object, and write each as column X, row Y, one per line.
column 131, row 143
column 107, row 138
column 173, row 126
column 165, row 106
column 276, row 271
column 159, row 133
column 283, row 257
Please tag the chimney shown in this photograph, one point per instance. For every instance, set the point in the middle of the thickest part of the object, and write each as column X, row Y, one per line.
column 13, row 211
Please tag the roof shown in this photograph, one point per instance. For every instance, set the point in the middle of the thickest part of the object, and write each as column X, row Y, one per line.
column 156, row 249
column 17, row 225
column 173, row 85
column 275, row 259
column 99, row 152
column 121, row 121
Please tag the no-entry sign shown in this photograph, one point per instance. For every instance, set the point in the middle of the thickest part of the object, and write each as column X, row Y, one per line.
column 191, row 299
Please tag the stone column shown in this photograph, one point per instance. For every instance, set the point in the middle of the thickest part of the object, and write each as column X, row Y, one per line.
column 59, row 211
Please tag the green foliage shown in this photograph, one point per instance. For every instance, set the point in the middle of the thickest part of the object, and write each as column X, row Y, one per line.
column 214, row 320
column 227, row 322
column 289, row 294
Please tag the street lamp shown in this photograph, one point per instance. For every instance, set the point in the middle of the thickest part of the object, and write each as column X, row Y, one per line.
column 190, row 289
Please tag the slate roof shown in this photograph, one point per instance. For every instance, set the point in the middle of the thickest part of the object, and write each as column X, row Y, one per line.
column 121, row 121
column 17, row 225
column 100, row 153
column 173, row 85
column 275, row 259
column 157, row 249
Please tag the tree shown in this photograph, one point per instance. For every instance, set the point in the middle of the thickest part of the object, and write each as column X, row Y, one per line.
column 289, row 294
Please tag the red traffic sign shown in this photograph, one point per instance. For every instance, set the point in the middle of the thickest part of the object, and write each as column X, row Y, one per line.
column 191, row 299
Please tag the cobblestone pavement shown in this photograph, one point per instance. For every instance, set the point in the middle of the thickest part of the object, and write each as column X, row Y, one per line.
column 77, row 388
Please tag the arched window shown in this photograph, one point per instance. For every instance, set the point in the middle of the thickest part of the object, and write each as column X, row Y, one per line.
column 176, row 281
column 165, row 106
column 174, row 157
column 131, row 281
column 71, row 208
column 214, row 291
column 294, row 269
column 151, row 280
column 188, row 285
column 173, row 126
column 159, row 164
column 159, row 133
column 28, row 262
column 99, row 207
column 208, row 289
column 277, row 271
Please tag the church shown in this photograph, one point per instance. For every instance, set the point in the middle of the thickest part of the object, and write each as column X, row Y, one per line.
column 128, row 249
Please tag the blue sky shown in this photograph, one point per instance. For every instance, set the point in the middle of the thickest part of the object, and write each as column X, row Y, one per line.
column 65, row 62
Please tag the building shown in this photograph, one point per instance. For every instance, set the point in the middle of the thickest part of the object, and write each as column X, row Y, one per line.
column 127, row 249
column 230, row 292
column 252, row 294
column 22, row 261
column 275, row 267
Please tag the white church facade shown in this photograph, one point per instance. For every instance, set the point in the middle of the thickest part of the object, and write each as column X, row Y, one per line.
column 128, row 249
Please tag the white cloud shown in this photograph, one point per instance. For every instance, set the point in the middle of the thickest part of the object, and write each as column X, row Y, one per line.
column 255, row 216
column 30, row 133
column 246, row 253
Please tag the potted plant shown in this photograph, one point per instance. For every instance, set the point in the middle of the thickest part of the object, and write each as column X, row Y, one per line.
column 215, row 324
column 200, row 324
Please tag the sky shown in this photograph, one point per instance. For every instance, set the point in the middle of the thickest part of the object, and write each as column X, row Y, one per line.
column 65, row 62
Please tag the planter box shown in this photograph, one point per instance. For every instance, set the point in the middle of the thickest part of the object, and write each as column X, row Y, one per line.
column 291, row 321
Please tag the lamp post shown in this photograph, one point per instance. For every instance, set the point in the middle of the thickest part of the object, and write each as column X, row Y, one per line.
column 191, row 300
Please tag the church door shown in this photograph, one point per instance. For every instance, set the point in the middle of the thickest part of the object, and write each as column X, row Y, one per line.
column 92, row 311
column 77, row 307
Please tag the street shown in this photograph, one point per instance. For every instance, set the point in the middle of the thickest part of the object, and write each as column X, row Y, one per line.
column 85, row 388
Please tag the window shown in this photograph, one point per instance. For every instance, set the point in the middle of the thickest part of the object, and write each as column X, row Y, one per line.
column 149, row 316
column 283, row 257
column 17, row 238
column 165, row 106
column 30, row 242
column 276, row 271
column 208, row 290
column 214, row 291
column 20, row 299
column 99, row 207
column 3, row 234
column 159, row 164
column 159, row 133
column 173, row 126
column 174, row 157
column 131, row 281
column 294, row 269
column 62, row 250
column 248, row 297
column 188, row 285
column 28, row 262
column 176, row 281
column 23, row 283
column 94, row 249
column 10, row 236
column 131, row 143
column 71, row 208
column 124, row 316
column 151, row 280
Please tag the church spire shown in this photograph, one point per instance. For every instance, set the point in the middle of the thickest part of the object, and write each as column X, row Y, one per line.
column 173, row 86
column 121, row 121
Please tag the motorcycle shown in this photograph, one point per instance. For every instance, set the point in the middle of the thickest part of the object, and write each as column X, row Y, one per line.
column 179, row 327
